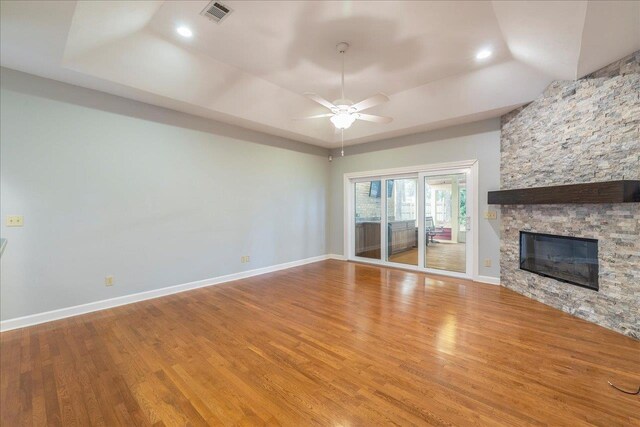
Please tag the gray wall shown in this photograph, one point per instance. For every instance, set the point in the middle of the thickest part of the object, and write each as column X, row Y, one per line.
column 480, row 140
column 576, row 132
column 155, row 198
column 109, row 186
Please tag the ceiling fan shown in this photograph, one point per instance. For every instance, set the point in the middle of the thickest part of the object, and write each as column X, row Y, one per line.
column 343, row 111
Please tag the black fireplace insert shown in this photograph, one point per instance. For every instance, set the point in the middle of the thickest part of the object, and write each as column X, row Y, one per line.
column 567, row 259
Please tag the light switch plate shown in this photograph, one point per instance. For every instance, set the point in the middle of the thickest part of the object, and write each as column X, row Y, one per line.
column 14, row 221
column 491, row 215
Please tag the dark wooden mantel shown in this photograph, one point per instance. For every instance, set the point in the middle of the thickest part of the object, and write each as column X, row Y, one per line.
column 625, row 191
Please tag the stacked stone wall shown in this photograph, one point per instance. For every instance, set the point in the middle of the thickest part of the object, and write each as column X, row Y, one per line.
column 577, row 132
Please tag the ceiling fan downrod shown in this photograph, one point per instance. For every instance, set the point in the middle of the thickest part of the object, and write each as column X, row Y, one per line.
column 342, row 48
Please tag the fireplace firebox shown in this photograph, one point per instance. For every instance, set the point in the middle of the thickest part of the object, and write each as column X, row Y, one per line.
column 567, row 259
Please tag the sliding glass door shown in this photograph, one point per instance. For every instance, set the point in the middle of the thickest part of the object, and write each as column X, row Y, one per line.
column 367, row 219
column 445, row 217
column 418, row 221
column 402, row 220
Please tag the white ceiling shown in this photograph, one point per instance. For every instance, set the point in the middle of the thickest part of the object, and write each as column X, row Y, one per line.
column 252, row 69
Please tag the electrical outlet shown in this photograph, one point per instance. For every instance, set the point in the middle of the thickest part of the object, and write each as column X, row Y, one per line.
column 491, row 215
column 108, row 281
column 14, row 221
column 487, row 262
column 244, row 259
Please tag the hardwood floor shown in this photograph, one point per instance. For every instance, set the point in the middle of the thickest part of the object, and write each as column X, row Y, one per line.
column 330, row 343
column 442, row 256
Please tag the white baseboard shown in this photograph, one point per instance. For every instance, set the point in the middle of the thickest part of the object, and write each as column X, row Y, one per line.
column 488, row 279
column 48, row 316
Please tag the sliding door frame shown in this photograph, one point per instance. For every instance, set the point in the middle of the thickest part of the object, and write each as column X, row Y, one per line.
column 419, row 172
column 469, row 243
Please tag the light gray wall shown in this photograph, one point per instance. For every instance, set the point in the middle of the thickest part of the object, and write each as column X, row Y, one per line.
column 153, row 197
column 109, row 186
column 479, row 140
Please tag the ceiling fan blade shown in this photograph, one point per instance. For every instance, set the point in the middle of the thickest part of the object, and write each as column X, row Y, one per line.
column 320, row 100
column 370, row 102
column 375, row 119
column 317, row 116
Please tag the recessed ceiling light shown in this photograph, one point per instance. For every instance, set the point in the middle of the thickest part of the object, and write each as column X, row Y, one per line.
column 184, row 31
column 483, row 54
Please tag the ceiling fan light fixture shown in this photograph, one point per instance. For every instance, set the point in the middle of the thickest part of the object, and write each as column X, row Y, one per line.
column 343, row 120
column 343, row 111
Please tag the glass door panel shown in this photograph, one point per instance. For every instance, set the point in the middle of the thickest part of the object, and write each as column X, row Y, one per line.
column 402, row 225
column 445, row 222
column 368, row 214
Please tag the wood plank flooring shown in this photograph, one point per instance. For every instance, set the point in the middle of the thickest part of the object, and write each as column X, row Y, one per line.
column 441, row 256
column 329, row 343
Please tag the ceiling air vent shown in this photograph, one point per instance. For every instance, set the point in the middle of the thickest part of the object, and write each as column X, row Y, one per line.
column 216, row 11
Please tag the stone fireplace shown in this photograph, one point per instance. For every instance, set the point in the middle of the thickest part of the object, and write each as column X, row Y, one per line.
column 578, row 132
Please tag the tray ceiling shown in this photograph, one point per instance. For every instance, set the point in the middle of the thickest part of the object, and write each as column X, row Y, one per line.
column 252, row 69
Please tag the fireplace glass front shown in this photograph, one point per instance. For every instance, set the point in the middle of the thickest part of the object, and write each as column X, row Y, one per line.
column 568, row 259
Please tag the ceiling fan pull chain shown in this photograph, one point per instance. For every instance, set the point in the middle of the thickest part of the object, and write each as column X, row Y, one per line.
column 342, row 146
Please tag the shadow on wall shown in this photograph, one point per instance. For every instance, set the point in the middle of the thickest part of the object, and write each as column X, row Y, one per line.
column 54, row 90
column 455, row 131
